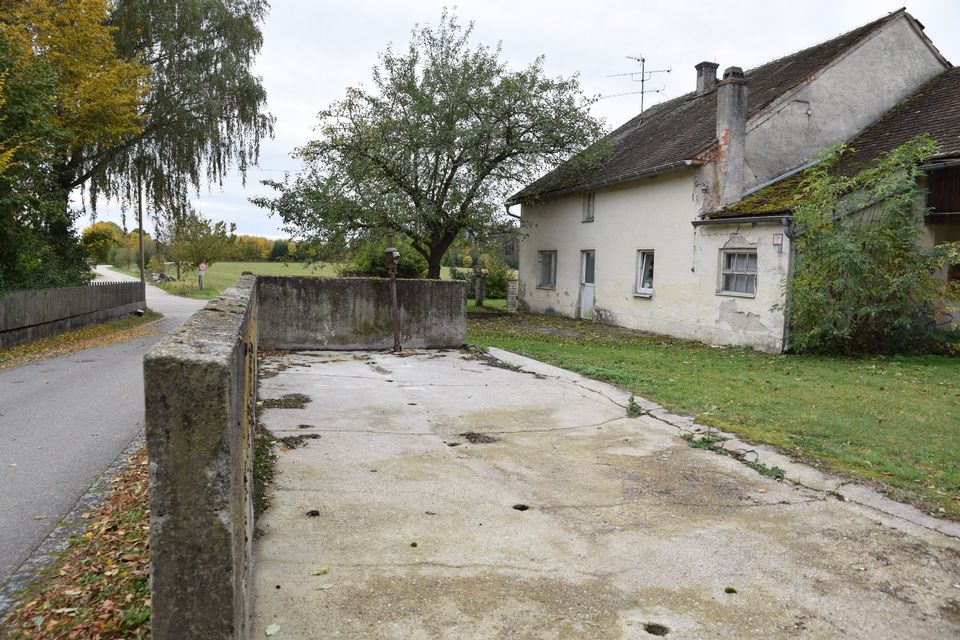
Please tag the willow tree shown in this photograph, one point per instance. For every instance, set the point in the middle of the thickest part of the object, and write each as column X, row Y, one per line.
column 446, row 134
column 205, row 111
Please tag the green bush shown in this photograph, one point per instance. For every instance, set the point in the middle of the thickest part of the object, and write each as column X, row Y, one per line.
column 498, row 274
column 156, row 265
column 862, row 282
column 368, row 261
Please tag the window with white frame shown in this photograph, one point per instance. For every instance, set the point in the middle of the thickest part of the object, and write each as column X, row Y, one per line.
column 644, row 283
column 738, row 272
column 547, row 267
column 588, row 202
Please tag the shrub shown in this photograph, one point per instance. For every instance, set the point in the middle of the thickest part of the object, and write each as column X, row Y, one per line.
column 498, row 274
column 368, row 261
column 862, row 282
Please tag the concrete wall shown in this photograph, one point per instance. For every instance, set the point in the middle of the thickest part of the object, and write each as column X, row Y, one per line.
column 840, row 101
column 40, row 313
column 200, row 385
column 354, row 313
column 654, row 214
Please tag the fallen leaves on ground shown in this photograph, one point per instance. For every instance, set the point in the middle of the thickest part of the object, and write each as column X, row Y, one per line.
column 99, row 589
column 86, row 338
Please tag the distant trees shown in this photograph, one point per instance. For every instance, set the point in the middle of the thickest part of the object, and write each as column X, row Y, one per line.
column 433, row 150
column 190, row 239
column 100, row 238
column 253, row 248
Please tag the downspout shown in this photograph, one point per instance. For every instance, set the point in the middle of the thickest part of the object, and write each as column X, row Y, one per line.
column 790, row 231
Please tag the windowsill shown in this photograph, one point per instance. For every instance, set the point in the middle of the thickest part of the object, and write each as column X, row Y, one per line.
column 735, row 294
column 547, row 287
column 585, row 220
column 643, row 294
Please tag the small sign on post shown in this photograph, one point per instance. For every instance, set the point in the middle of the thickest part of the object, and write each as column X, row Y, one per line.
column 201, row 271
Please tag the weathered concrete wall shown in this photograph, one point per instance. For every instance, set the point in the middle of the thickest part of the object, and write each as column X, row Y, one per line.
column 354, row 313
column 200, row 388
column 654, row 215
column 40, row 313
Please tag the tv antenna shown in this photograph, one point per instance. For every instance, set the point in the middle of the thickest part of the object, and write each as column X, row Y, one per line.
column 643, row 77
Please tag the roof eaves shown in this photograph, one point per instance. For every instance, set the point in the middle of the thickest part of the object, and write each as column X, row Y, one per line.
column 606, row 182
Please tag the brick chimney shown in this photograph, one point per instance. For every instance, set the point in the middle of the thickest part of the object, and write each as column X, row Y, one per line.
column 731, row 134
column 706, row 76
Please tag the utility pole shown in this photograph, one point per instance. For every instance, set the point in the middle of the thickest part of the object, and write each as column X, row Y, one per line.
column 143, row 278
column 643, row 77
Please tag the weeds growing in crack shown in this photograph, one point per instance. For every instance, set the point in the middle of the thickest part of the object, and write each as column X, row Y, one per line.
column 714, row 442
column 633, row 409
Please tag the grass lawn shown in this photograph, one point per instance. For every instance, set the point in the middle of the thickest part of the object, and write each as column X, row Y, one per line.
column 221, row 275
column 490, row 305
column 892, row 421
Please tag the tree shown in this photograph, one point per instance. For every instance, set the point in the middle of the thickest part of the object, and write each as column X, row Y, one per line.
column 99, row 238
column 96, row 94
column 64, row 89
column 205, row 110
column 192, row 239
column 280, row 250
column 435, row 149
column 862, row 281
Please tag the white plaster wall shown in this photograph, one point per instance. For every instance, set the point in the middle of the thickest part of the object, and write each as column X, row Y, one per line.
column 842, row 101
column 654, row 213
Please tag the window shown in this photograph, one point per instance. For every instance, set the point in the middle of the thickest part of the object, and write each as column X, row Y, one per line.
column 738, row 272
column 588, row 201
column 547, row 264
column 644, row 285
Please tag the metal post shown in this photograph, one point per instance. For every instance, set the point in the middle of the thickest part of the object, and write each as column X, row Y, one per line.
column 393, row 257
column 143, row 278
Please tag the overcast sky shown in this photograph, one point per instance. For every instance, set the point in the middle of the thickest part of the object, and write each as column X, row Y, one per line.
column 314, row 49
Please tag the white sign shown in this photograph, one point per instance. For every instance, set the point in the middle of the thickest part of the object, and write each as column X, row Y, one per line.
column 202, row 267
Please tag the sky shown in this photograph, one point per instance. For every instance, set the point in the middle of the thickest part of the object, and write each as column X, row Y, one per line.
column 315, row 49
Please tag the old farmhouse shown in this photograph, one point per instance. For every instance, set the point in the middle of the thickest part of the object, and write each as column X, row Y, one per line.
column 671, row 231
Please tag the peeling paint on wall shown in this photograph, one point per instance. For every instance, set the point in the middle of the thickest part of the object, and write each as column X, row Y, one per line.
column 739, row 320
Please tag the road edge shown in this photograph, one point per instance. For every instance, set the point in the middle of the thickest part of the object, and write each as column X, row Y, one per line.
column 57, row 541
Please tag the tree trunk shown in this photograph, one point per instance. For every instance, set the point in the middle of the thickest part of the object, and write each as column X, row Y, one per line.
column 438, row 248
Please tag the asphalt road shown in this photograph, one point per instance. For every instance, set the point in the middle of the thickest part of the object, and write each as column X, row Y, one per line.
column 63, row 421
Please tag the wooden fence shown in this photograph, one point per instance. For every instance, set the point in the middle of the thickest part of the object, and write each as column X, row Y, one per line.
column 38, row 313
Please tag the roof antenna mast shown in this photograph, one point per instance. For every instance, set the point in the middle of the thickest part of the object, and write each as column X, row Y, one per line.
column 643, row 77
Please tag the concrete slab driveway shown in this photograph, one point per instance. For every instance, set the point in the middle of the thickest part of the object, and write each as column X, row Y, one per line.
column 440, row 496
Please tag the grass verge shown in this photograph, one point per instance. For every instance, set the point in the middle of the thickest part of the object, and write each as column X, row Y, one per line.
column 94, row 336
column 100, row 586
column 490, row 305
column 894, row 422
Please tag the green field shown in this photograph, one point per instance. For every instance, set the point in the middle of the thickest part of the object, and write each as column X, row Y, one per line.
column 894, row 422
column 221, row 275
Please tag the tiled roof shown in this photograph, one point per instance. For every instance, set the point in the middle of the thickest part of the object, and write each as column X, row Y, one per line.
column 680, row 129
column 934, row 110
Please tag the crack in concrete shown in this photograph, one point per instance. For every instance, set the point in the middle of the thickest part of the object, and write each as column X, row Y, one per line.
column 742, row 505
column 475, row 565
column 440, row 435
